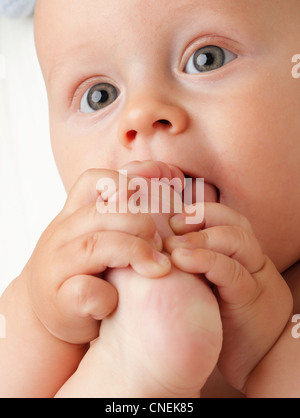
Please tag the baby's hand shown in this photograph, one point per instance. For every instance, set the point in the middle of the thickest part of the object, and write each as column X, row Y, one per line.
column 165, row 337
column 64, row 274
column 254, row 300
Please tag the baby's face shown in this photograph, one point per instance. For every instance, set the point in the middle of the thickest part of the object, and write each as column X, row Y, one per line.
column 204, row 85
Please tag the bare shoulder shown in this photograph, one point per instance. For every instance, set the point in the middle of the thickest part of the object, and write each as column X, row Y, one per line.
column 292, row 277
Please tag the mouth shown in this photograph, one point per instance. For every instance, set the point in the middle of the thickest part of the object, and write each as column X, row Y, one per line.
column 192, row 192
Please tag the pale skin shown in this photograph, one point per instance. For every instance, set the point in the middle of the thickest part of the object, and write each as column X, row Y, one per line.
column 163, row 340
column 230, row 126
column 79, row 301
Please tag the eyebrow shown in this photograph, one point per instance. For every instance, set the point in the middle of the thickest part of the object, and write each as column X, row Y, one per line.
column 65, row 60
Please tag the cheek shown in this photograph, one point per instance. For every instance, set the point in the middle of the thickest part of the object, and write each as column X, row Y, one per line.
column 77, row 149
column 258, row 147
column 68, row 157
column 258, row 133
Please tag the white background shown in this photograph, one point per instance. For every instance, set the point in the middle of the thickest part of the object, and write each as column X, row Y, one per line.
column 31, row 193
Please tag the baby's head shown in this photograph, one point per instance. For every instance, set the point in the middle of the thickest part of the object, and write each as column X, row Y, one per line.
column 205, row 85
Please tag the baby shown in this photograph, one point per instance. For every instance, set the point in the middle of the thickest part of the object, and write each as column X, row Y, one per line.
column 205, row 87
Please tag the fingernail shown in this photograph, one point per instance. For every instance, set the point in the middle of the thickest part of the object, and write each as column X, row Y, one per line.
column 185, row 252
column 160, row 258
column 178, row 219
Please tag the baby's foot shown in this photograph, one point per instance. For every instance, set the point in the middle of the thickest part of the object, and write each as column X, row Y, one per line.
column 166, row 334
column 163, row 340
column 165, row 337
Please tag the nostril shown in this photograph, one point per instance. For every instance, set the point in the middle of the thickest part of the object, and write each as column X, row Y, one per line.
column 131, row 135
column 161, row 123
column 164, row 122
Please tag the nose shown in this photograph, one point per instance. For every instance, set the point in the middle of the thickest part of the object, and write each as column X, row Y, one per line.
column 145, row 116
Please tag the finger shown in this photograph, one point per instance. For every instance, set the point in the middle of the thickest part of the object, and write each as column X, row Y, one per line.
column 235, row 284
column 171, row 175
column 178, row 174
column 85, row 190
column 93, row 253
column 164, row 170
column 165, row 191
column 231, row 241
column 149, row 169
column 82, row 301
column 215, row 214
column 88, row 219
column 158, row 170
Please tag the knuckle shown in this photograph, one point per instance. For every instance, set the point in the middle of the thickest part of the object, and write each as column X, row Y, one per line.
column 237, row 272
column 81, row 184
column 94, row 173
column 91, row 243
column 204, row 235
column 137, row 247
column 241, row 236
column 212, row 257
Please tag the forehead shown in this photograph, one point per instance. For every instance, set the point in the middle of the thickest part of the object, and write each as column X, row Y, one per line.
column 85, row 15
column 66, row 28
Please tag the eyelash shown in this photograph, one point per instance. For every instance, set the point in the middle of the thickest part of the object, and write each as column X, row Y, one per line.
column 203, row 59
column 225, row 44
column 83, row 87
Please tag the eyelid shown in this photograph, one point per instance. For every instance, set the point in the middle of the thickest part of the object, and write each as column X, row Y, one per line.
column 220, row 41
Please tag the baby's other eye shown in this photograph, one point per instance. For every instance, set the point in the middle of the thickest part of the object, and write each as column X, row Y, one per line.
column 208, row 58
column 98, row 97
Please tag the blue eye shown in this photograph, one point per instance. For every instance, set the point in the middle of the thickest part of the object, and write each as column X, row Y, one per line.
column 98, row 97
column 208, row 58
